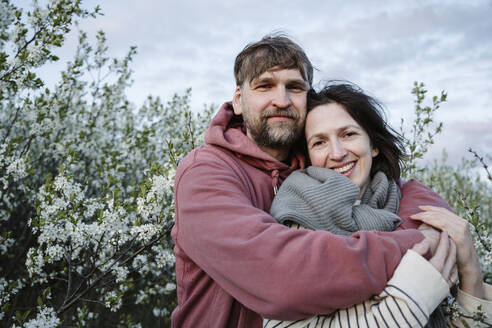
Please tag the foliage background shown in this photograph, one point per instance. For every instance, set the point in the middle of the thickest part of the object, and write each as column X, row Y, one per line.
column 86, row 178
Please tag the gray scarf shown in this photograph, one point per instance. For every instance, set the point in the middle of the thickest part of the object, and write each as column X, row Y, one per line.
column 322, row 199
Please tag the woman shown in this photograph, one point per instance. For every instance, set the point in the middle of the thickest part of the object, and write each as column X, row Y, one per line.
column 351, row 186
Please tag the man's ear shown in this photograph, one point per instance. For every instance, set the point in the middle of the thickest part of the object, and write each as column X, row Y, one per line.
column 374, row 152
column 236, row 101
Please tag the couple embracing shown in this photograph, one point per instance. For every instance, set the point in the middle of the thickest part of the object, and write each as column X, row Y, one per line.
column 294, row 214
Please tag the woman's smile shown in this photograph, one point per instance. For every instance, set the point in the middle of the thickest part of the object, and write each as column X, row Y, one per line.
column 345, row 169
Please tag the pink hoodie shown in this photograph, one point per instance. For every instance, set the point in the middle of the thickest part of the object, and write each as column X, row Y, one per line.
column 235, row 263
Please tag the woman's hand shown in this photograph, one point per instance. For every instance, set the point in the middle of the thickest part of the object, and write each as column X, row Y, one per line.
column 469, row 271
column 444, row 258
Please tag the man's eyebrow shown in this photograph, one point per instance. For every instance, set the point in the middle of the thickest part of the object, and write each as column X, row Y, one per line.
column 298, row 82
column 269, row 79
column 265, row 79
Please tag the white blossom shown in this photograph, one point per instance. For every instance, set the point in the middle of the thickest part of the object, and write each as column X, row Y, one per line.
column 120, row 272
column 45, row 318
column 145, row 232
column 17, row 169
column 164, row 257
column 113, row 301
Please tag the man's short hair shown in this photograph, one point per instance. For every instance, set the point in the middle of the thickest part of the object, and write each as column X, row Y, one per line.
column 273, row 50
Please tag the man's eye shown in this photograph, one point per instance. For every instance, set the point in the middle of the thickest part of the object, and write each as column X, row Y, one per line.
column 297, row 88
column 263, row 86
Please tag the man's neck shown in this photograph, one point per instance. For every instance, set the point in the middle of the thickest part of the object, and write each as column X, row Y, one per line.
column 279, row 154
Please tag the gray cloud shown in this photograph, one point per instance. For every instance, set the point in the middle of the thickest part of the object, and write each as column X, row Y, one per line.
column 457, row 137
column 383, row 46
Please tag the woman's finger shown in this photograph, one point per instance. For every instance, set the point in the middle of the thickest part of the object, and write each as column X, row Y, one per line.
column 458, row 230
column 431, row 218
column 424, row 226
column 454, row 278
column 441, row 254
column 457, row 227
column 450, row 263
column 434, row 208
column 422, row 248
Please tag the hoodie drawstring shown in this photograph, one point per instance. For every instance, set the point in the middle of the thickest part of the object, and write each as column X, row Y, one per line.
column 275, row 175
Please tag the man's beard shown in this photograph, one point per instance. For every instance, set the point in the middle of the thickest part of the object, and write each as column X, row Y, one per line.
column 274, row 134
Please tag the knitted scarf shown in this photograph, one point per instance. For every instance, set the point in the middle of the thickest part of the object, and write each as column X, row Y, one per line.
column 322, row 199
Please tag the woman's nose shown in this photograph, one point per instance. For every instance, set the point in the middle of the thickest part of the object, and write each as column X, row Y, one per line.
column 337, row 150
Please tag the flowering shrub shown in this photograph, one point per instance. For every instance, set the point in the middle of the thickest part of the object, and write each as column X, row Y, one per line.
column 86, row 201
column 463, row 187
column 86, row 177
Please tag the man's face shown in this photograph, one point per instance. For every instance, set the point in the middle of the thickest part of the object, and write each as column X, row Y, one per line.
column 273, row 107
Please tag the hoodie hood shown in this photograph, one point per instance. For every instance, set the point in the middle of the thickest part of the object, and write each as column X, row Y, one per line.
column 227, row 130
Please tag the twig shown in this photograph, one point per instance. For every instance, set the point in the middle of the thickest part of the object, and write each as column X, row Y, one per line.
column 68, row 257
column 74, row 298
column 482, row 161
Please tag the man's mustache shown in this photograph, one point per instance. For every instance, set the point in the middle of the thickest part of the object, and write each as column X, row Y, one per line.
column 290, row 113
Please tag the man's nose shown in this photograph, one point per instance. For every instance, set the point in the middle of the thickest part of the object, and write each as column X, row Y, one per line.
column 281, row 97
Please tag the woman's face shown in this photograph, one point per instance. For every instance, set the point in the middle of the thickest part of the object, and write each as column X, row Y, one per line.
column 336, row 141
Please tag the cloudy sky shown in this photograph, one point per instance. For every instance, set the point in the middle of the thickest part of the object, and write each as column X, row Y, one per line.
column 383, row 46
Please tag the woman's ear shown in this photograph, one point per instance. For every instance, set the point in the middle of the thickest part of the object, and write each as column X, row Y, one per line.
column 236, row 101
column 374, row 152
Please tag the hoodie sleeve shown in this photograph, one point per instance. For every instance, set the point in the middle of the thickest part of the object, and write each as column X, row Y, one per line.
column 415, row 194
column 276, row 271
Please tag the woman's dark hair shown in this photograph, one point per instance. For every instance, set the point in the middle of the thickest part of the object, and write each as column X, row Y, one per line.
column 368, row 113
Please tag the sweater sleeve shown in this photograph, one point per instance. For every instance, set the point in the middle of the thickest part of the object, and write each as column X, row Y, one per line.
column 469, row 304
column 275, row 271
column 415, row 290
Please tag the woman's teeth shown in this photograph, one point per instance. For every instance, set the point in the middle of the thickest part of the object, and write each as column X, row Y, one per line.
column 344, row 168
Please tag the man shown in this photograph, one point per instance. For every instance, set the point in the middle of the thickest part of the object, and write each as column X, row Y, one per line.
column 234, row 263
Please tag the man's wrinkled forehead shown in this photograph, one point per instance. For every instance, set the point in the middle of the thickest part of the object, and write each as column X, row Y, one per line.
column 271, row 75
column 251, row 66
column 270, row 72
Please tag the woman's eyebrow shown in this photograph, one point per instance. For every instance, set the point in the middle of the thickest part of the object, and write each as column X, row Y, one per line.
column 323, row 134
column 353, row 126
column 316, row 135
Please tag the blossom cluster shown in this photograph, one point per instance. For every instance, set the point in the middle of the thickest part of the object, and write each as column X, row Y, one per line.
column 86, row 180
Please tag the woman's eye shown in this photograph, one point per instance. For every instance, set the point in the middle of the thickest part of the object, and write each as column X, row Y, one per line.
column 317, row 143
column 350, row 134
